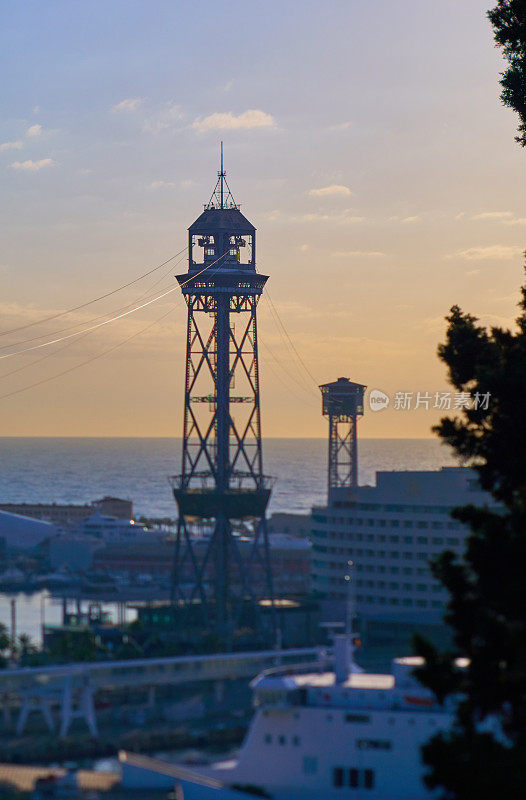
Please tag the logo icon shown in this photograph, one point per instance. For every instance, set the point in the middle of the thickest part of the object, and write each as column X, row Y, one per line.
column 378, row 400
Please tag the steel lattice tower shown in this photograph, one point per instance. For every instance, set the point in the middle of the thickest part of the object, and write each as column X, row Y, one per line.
column 221, row 566
column 342, row 403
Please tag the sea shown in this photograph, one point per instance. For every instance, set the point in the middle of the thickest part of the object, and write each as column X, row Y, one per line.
column 78, row 470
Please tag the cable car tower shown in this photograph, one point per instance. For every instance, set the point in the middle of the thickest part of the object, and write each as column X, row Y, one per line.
column 342, row 403
column 221, row 566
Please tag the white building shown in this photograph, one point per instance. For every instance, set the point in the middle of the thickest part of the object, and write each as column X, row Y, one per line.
column 24, row 533
column 390, row 532
column 110, row 528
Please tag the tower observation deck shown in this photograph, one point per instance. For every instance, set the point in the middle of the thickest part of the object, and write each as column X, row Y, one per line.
column 221, row 566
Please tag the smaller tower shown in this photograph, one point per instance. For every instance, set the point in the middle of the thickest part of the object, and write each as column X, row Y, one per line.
column 342, row 403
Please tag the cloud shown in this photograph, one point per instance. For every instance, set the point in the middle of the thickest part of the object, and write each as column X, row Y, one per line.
column 335, row 189
column 495, row 252
column 493, row 215
column 344, row 217
column 162, row 184
column 342, row 126
column 228, row 85
column 164, row 119
column 505, row 217
column 34, row 131
column 361, row 253
column 405, row 220
column 11, row 145
column 130, row 104
column 33, row 166
column 226, row 121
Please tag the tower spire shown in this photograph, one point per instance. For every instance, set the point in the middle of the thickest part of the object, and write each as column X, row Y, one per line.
column 222, row 173
column 222, row 197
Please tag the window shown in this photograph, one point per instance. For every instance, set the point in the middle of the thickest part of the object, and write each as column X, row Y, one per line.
column 368, row 778
column 337, row 777
column 282, row 740
column 310, row 765
column 422, row 540
column 353, row 778
column 394, row 538
column 268, row 738
column 296, row 741
column 374, row 744
column 357, row 718
column 408, row 539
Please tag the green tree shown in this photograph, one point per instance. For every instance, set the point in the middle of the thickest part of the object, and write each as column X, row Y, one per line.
column 484, row 755
column 73, row 646
column 509, row 25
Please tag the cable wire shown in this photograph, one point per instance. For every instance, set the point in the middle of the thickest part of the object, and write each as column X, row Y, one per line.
column 112, row 319
column 93, row 319
column 70, row 343
column 110, row 349
column 300, row 359
column 95, row 299
column 87, row 361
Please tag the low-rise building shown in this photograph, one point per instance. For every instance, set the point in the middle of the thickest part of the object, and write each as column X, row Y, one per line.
column 69, row 514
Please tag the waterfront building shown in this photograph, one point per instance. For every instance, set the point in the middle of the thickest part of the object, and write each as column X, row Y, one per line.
column 71, row 514
column 390, row 532
column 23, row 533
column 109, row 528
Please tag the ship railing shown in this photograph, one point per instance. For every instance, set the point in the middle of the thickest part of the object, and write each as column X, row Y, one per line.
column 303, row 668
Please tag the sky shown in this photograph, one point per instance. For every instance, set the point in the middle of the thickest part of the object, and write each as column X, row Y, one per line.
column 365, row 141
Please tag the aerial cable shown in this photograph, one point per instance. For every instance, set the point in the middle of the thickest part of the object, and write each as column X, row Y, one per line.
column 93, row 319
column 288, row 375
column 300, row 359
column 111, row 319
column 70, row 343
column 95, row 299
column 300, row 379
column 88, row 360
column 105, row 352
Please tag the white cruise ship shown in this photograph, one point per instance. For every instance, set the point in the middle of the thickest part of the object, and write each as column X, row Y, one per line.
column 318, row 735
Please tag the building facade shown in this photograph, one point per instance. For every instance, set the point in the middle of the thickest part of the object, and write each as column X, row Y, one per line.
column 71, row 514
column 390, row 532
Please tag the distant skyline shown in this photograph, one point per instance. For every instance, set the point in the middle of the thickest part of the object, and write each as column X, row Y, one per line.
column 365, row 141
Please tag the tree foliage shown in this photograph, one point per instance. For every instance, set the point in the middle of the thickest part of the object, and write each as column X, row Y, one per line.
column 484, row 756
column 509, row 25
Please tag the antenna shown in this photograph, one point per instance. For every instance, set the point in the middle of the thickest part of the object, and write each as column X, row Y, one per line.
column 221, row 199
column 222, row 174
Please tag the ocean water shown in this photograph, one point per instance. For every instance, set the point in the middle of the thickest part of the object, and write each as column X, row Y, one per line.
column 70, row 470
